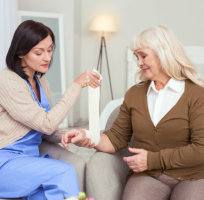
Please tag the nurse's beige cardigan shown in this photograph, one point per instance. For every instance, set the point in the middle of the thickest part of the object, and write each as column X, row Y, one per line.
column 19, row 112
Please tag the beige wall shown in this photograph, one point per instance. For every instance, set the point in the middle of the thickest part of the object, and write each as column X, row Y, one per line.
column 184, row 17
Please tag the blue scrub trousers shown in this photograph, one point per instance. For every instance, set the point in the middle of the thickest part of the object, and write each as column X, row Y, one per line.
column 37, row 178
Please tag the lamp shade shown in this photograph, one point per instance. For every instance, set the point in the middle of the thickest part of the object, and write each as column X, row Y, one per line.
column 103, row 23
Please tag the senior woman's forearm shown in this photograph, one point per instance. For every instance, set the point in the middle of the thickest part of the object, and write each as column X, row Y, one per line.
column 105, row 144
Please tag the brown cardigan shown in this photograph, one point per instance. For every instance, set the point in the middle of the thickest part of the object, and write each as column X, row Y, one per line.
column 176, row 145
column 19, row 113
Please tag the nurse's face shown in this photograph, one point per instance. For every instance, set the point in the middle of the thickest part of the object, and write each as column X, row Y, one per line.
column 38, row 58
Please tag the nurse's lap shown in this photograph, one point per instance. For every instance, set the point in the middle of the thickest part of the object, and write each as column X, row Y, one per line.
column 27, row 173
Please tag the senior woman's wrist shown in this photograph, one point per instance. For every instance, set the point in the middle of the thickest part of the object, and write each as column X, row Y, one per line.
column 153, row 160
column 94, row 137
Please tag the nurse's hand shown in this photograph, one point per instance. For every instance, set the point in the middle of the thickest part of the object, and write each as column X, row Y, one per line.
column 77, row 137
column 88, row 78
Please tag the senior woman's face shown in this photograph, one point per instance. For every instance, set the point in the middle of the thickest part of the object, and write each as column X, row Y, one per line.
column 39, row 57
column 148, row 61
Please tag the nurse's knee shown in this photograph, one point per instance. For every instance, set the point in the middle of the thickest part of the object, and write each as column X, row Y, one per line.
column 69, row 169
column 72, row 170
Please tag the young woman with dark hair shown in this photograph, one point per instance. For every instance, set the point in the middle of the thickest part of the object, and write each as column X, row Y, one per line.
column 28, row 34
column 26, row 115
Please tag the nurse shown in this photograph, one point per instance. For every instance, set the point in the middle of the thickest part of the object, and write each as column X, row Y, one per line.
column 26, row 115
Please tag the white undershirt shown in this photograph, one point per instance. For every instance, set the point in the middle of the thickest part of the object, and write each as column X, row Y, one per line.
column 161, row 101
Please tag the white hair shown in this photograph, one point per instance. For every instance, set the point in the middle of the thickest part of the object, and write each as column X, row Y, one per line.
column 171, row 54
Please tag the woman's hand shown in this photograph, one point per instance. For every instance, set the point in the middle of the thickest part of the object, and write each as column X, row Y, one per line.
column 88, row 78
column 77, row 137
column 137, row 162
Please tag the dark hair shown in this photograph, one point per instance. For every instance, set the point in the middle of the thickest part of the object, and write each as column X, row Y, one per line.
column 28, row 34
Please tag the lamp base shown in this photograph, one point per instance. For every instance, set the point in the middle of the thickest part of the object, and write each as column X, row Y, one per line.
column 99, row 65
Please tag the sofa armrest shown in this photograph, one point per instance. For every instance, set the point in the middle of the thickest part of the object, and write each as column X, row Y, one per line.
column 106, row 175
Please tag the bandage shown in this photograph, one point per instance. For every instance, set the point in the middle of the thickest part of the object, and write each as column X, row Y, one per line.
column 93, row 102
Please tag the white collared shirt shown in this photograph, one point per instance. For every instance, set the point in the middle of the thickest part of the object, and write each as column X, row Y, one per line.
column 161, row 101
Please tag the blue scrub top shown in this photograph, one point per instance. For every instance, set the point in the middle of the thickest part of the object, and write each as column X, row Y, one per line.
column 29, row 144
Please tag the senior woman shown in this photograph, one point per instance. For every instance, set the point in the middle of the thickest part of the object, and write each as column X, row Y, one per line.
column 26, row 115
column 165, row 113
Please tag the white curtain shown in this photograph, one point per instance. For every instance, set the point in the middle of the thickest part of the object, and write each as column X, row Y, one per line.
column 8, row 24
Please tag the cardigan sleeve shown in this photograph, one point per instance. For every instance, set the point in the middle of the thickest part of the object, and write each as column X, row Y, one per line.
column 57, row 134
column 16, row 99
column 121, row 131
column 184, row 156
